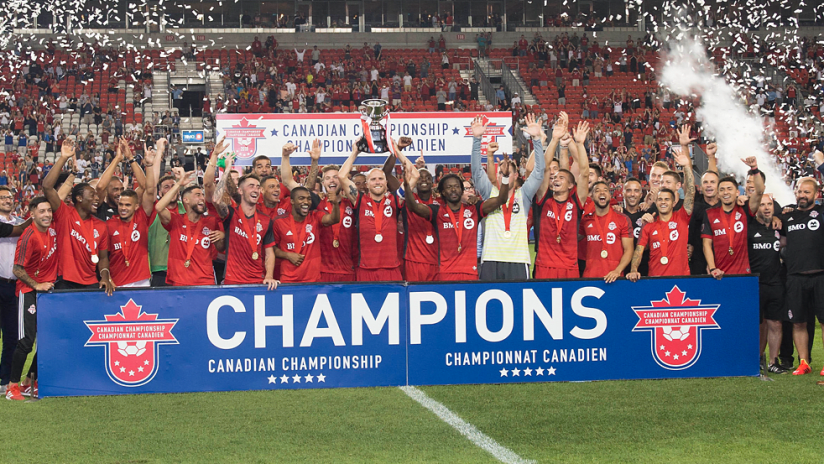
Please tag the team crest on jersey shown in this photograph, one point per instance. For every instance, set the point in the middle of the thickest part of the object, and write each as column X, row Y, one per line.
column 676, row 323
column 673, row 225
column 135, row 235
column 569, row 205
column 516, row 208
column 467, row 213
column 387, row 211
column 612, row 226
column 349, row 210
column 737, row 216
column 131, row 339
column 813, row 213
column 309, row 228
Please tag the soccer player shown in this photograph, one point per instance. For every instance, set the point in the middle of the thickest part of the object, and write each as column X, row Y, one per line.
column 377, row 213
column 194, row 237
column 421, row 251
column 455, row 223
column 158, row 235
column 505, row 254
column 804, row 257
column 35, row 265
column 559, row 212
column 262, row 166
column 269, row 203
column 725, row 227
column 250, row 257
column 765, row 260
column 338, row 243
column 110, row 187
column 633, row 192
column 609, row 241
column 668, row 235
column 296, row 236
column 83, row 239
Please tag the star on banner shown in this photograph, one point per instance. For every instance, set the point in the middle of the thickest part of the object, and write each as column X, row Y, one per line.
column 274, row 132
column 296, row 379
column 516, row 372
column 456, row 131
column 503, row 372
column 321, row 378
column 550, row 371
column 539, row 371
column 273, row 379
column 308, row 378
column 284, row 379
column 528, row 371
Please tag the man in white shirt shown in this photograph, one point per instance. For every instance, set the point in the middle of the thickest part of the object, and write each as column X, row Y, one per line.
column 300, row 55
column 516, row 100
column 319, row 66
column 8, row 302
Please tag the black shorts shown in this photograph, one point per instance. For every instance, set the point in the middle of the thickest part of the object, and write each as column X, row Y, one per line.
column 773, row 304
column 805, row 297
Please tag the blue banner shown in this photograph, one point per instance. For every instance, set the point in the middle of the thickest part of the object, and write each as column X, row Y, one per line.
column 358, row 335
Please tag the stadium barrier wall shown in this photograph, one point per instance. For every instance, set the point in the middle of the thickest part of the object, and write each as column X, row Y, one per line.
column 369, row 335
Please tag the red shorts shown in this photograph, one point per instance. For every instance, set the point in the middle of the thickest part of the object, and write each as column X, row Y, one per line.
column 447, row 277
column 554, row 273
column 332, row 277
column 420, row 272
column 379, row 275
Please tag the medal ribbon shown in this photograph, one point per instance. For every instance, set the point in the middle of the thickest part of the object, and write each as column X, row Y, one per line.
column 456, row 224
column 126, row 237
column 87, row 227
column 559, row 219
column 335, row 227
column 664, row 238
column 250, row 236
column 367, row 133
column 725, row 220
column 46, row 244
column 376, row 211
column 190, row 236
column 299, row 234
column 600, row 227
column 507, row 210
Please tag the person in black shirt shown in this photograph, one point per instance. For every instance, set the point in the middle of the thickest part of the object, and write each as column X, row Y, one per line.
column 633, row 193
column 805, row 266
column 707, row 199
column 764, row 252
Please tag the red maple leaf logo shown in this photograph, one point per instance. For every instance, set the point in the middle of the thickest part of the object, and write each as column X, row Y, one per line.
column 130, row 312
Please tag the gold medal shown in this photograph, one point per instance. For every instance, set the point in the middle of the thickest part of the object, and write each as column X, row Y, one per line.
column 558, row 239
column 335, row 243
column 731, row 252
column 127, row 263
column 604, row 254
column 664, row 260
column 187, row 263
column 36, row 272
column 255, row 255
column 459, row 248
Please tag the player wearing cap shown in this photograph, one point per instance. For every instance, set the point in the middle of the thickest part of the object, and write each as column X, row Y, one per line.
column 455, row 223
column 194, row 237
column 725, row 227
column 339, row 242
column 668, row 236
column 296, row 236
column 377, row 213
column 35, row 265
column 83, row 238
column 804, row 257
column 505, row 254
column 609, row 241
column 250, row 257
column 559, row 211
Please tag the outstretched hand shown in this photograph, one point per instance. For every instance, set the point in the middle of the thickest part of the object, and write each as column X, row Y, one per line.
column 478, row 127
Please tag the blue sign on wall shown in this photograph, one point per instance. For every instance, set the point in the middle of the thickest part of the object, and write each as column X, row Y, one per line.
column 354, row 335
column 192, row 136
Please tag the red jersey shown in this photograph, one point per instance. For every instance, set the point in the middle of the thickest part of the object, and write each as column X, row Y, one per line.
column 555, row 217
column 199, row 253
column 604, row 234
column 129, row 242
column 299, row 237
column 728, row 232
column 37, row 252
column 241, row 266
column 589, row 208
column 421, row 240
column 457, row 233
column 339, row 259
column 668, row 240
column 78, row 241
column 378, row 246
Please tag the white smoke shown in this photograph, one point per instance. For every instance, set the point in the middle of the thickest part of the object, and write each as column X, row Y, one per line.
column 738, row 133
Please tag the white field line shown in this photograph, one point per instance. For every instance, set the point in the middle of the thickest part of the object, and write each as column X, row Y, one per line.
column 466, row 429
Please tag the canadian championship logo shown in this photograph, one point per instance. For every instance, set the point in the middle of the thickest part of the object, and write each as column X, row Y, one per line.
column 244, row 137
column 676, row 323
column 131, row 339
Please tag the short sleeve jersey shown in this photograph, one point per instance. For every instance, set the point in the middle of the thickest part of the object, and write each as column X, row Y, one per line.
column 765, row 256
column 241, row 267
column 668, row 240
column 36, row 252
column 604, row 234
column 421, row 241
column 378, row 247
column 558, row 219
column 200, row 270
column 302, row 238
column 339, row 259
column 78, row 241
column 805, row 240
column 129, row 242
column 728, row 232
column 457, row 257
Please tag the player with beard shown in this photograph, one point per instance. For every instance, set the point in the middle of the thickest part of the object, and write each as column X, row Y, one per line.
column 804, row 257
column 338, row 243
column 35, row 266
column 195, row 238
column 633, row 192
column 765, row 260
column 725, row 227
column 83, row 238
column 668, row 235
column 248, row 235
column 110, row 187
column 421, row 251
column 289, row 182
column 262, row 166
column 506, row 253
column 707, row 199
column 296, row 236
column 559, row 212
column 456, row 223
column 377, row 213
column 609, row 240
column 158, row 235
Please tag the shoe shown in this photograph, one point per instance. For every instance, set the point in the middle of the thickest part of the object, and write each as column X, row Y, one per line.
column 34, row 393
column 13, row 393
column 803, row 368
column 3, row 389
column 786, row 363
column 25, row 390
column 775, row 368
column 822, row 372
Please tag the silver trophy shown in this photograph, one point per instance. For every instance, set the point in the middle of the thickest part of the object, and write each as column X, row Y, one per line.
column 373, row 113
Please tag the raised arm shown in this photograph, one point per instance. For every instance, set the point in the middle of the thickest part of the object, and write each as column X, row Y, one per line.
column 107, row 175
column 66, row 152
column 211, row 167
column 712, row 162
column 492, row 204
column 314, row 153
column 758, row 182
column 392, row 183
column 286, row 166
column 533, row 182
column 482, row 184
column 580, row 136
column 137, row 171
column 348, row 188
column 150, row 157
column 491, row 148
column 682, row 157
column 410, row 178
column 219, row 199
column 171, row 196
column 559, row 132
column 332, row 217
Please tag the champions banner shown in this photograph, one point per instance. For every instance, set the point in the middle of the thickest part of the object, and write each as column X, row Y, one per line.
column 444, row 137
column 366, row 335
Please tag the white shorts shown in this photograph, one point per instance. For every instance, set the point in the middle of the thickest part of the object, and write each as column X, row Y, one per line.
column 139, row 283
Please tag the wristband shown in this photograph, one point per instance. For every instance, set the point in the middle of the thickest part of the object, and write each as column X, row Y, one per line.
column 754, row 171
column 505, row 180
column 713, row 269
column 105, row 269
